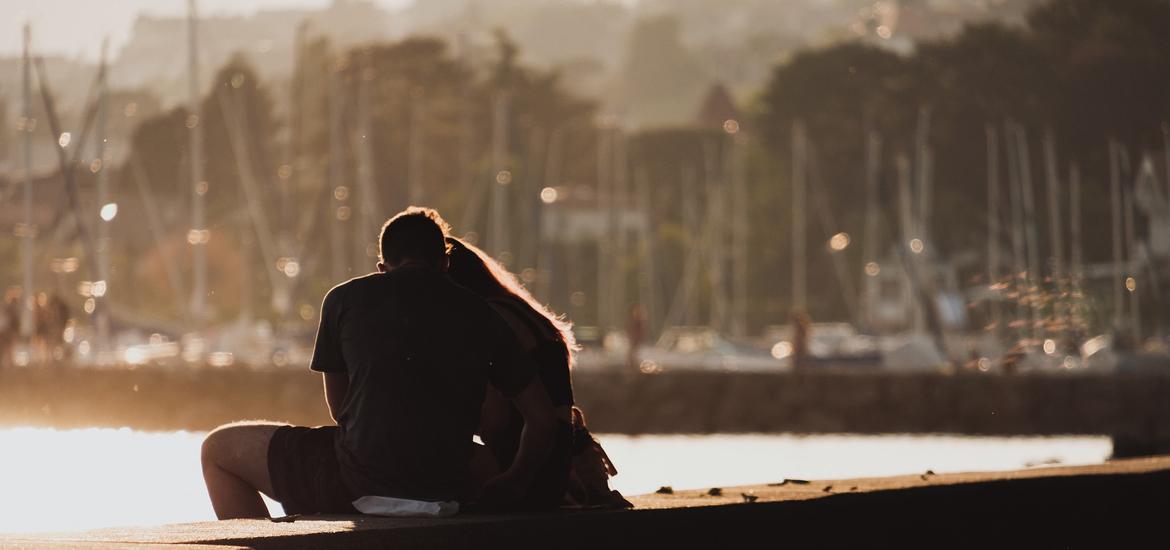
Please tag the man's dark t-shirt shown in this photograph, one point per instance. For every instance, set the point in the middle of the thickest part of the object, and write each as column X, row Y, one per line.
column 418, row 350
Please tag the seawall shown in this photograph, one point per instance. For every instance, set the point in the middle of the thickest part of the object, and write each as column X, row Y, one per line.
column 1130, row 406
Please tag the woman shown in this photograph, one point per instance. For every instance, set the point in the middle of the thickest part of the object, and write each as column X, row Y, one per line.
column 577, row 466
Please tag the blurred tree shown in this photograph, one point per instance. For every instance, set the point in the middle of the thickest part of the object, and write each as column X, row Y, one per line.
column 6, row 132
column 1085, row 69
column 661, row 82
column 838, row 94
column 237, row 88
column 430, row 125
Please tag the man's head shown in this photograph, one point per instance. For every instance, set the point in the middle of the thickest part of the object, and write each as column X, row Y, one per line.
column 415, row 235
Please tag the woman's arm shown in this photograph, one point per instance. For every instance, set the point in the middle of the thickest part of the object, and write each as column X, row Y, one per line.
column 536, row 442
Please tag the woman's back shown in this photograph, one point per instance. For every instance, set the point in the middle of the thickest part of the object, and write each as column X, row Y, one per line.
column 549, row 342
column 544, row 344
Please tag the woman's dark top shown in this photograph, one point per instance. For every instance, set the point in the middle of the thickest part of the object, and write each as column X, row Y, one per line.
column 544, row 345
column 548, row 351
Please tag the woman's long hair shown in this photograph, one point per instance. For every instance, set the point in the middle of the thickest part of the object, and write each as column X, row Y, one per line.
column 480, row 273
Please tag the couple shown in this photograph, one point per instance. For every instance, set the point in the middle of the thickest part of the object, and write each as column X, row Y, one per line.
column 440, row 345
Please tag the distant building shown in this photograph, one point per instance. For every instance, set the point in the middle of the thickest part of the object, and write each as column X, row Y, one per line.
column 717, row 108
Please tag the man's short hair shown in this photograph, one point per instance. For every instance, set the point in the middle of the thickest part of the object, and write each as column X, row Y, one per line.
column 416, row 233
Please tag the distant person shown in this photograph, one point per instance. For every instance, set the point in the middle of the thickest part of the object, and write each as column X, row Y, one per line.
column 548, row 340
column 406, row 356
column 801, row 326
column 635, row 336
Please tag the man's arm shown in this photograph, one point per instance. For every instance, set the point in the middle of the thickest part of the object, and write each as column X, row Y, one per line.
column 327, row 356
column 336, row 388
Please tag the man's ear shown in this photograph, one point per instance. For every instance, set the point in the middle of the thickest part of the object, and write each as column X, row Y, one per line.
column 381, row 267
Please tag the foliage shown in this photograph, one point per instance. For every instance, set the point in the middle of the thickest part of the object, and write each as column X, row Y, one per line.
column 1085, row 70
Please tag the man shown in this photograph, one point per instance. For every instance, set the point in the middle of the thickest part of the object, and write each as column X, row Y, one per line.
column 406, row 355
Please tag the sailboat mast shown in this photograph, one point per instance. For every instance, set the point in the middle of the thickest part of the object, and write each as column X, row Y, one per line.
column 739, row 232
column 1055, row 228
column 499, row 223
column 1166, row 152
column 690, row 213
column 798, row 216
column 366, row 237
column 547, row 237
column 1135, row 325
column 993, row 224
column 717, row 194
column 619, row 199
column 198, row 235
column 604, row 241
column 922, row 171
column 907, row 227
column 873, row 147
column 1115, row 207
column 339, row 191
column 1030, row 239
column 294, row 178
column 28, row 232
column 105, row 216
column 1076, row 269
column 649, row 275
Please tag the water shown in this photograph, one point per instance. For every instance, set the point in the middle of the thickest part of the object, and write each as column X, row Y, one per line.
column 65, row 480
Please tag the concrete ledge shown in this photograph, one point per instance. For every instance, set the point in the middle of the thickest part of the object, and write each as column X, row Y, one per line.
column 1067, row 507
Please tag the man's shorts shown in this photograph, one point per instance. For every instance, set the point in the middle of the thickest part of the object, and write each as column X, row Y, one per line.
column 304, row 471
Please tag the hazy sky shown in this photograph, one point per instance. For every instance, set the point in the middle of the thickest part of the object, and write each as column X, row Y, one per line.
column 77, row 27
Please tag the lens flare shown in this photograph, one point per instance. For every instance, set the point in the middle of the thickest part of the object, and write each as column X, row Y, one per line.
column 839, row 242
column 109, row 211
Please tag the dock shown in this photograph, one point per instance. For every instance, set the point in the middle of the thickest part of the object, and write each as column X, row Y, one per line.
column 1120, row 503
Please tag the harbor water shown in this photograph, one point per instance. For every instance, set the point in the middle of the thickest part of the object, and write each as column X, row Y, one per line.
column 66, row 480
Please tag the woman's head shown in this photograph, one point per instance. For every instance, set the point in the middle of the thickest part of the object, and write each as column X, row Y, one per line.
column 475, row 270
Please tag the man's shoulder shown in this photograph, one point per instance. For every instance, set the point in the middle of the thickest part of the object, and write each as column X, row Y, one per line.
column 359, row 281
column 344, row 292
column 344, row 288
column 409, row 281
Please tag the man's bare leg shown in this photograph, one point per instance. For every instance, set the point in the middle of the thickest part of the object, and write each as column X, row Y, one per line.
column 235, row 468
